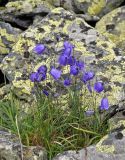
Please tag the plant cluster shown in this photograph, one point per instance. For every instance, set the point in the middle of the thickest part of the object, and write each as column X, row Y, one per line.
column 49, row 123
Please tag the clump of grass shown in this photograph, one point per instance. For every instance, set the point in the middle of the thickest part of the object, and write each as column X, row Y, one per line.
column 51, row 126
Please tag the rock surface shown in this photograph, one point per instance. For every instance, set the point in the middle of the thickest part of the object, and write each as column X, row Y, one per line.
column 91, row 9
column 8, row 36
column 112, row 26
column 23, row 12
column 10, row 149
column 96, row 7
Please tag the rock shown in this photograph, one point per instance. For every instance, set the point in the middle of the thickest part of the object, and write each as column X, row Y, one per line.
column 91, row 9
column 100, row 55
column 23, row 12
column 96, row 7
column 10, row 149
column 8, row 36
column 112, row 26
column 111, row 147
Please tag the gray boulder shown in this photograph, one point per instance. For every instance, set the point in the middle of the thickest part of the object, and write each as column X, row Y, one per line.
column 11, row 149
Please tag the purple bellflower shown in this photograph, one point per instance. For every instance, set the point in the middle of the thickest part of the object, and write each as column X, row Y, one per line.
column 87, row 76
column 67, row 82
column 80, row 64
column 98, row 87
column 74, row 70
column 68, row 45
column 36, row 77
column 39, row 49
column 63, row 59
column 42, row 69
column 55, row 73
column 104, row 104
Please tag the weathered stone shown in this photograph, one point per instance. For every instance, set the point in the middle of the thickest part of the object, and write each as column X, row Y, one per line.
column 12, row 149
column 8, row 36
column 97, row 7
column 111, row 147
column 99, row 54
column 112, row 26
column 23, row 12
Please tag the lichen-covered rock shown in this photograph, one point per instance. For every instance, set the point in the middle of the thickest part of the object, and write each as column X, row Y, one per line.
column 11, row 149
column 97, row 7
column 111, row 147
column 90, row 9
column 22, row 12
column 8, row 36
column 99, row 54
column 112, row 26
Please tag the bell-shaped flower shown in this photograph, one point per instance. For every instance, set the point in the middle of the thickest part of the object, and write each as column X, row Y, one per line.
column 42, row 69
column 63, row 59
column 36, row 77
column 67, row 82
column 87, row 76
column 104, row 104
column 80, row 64
column 74, row 70
column 39, row 49
column 55, row 73
column 71, row 61
column 98, row 87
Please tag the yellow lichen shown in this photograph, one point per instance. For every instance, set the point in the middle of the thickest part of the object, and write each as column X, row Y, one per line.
column 105, row 148
column 9, row 37
column 19, row 47
column 21, row 5
column 96, row 7
column 27, row 86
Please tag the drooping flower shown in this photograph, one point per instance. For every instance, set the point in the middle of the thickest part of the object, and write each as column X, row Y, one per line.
column 74, row 70
column 63, row 60
column 67, row 82
column 36, row 77
column 42, row 69
column 56, row 73
column 98, row 87
column 80, row 64
column 67, row 51
column 87, row 76
column 71, row 61
column 39, row 48
column 89, row 112
column 104, row 104
column 45, row 92
column 33, row 76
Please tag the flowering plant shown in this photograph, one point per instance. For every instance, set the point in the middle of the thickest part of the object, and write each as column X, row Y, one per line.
column 77, row 78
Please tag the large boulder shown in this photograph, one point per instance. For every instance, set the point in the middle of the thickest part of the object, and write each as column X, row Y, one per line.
column 112, row 26
column 8, row 36
column 12, row 149
column 99, row 54
column 23, row 12
column 97, row 7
